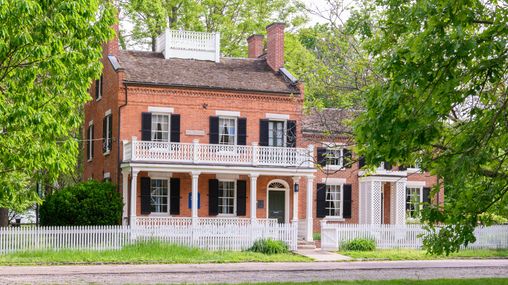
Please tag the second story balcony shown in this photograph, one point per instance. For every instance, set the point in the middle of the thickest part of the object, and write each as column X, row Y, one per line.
column 217, row 154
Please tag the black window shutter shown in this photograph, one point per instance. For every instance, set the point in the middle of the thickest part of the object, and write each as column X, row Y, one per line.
column 347, row 203
column 321, row 200
column 146, row 208
column 242, row 131
column 263, row 132
column 146, row 126
column 175, row 128
column 361, row 162
column 388, row 166
column 321, row 156
column 291, row 134
column 214, row 130
column 402, row 168
column 241, row 197
column 104, row 134
column 174, row 199
column 101, row 83
column 88, row 143
column 97, row 88
column 92, row 142
column 426, row 195
column 347, row 158
column 213, row 197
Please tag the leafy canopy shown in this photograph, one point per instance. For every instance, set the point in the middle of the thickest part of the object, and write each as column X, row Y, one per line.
column 443, row 99
column 49, row 53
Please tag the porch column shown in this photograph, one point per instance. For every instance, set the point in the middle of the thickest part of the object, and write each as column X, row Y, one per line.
column 375, row 202
column 125, row 195
column 195, row 179
column 400, row 202
column 253, row 196
column 296, row 184
column 133, row 200
column 309, row 218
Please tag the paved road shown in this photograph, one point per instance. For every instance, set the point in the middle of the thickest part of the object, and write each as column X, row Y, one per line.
column 252, row 272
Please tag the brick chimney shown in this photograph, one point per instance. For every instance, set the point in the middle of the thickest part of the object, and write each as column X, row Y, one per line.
column 255, row 43
column 111, row 47
column 275, row 45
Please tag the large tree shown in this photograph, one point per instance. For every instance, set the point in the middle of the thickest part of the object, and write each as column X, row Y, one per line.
column 49, row 53
column 234, row 19
column 443, row 99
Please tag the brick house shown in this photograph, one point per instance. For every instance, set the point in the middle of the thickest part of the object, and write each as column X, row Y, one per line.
column 184, row 132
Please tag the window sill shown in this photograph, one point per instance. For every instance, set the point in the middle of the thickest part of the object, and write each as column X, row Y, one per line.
column 89, row 160
column 334, row 219
column 334, row 167
column 98, row 99
column 106, row 153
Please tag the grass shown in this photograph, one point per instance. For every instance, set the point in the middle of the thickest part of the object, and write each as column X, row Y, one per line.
column 316, row 236
column 483, row 281
column 411, row 254
column 144, row 253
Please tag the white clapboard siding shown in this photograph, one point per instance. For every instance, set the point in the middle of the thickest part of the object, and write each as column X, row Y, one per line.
column 404, row 236
column 210, row 236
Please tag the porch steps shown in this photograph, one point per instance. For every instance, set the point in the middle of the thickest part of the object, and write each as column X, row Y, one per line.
column 303, row 244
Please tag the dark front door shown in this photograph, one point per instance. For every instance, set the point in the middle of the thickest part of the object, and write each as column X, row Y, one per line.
column 277, row 205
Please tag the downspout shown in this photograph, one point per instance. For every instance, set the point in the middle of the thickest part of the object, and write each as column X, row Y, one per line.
column 119, row 136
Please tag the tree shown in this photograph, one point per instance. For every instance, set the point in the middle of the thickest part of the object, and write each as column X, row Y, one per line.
column 443, row 99
column 234, row 19
column 49, row 53
column 85, row 203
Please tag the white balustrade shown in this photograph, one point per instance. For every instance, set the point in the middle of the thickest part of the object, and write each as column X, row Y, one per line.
column 189, row 44
column 251, row 155
column 187, row 221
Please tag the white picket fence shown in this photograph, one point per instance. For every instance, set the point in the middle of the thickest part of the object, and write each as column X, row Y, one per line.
column 402, row 236
column 210, row 237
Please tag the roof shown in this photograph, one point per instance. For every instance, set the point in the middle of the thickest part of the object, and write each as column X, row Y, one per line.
column 230, row 73
column 328, row 121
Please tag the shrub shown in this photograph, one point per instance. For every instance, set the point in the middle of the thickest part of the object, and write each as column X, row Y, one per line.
column 269, row 246
column 86, row 203
column 359, row 244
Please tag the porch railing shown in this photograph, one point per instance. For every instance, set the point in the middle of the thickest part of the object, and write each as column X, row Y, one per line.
column 197, row 153
column 187, row 221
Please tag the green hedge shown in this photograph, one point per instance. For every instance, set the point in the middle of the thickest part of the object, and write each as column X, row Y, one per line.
column 359, row 244
column 86, row 203
column 269, row 246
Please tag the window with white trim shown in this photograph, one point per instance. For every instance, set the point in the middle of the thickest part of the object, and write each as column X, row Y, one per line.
column 160, row 127
column 414, row 198
column 276, row 133
column 98, row 88
column 159, row 195
column 107, row 135
column 90, row 142
column 227, row 131
column 227, row 197
column 334, row 200
column 334, row 156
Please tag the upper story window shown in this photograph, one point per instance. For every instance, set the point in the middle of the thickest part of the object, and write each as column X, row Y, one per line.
column 334, row 200
column 107, row 133
column 227, row 197
column 227, row 131
column 160, row 127
column 98, row 88
column 159, row 195
column 334, row 157
column 276, row 133
column 89, row 141
column 414, row 198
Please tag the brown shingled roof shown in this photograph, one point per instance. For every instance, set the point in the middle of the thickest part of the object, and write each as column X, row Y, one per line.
column 328, row 121
column 229, row 73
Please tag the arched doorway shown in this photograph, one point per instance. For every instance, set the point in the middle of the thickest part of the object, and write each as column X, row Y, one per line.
column 278, row 200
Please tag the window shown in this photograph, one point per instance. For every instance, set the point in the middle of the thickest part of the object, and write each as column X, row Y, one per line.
column 334, row 156
column 89, row 142
column 334, row 200
column 227, row 131
column 227, row 197
column 98, row 89
column 107, row 134
column 413, row 199
column 159, row 196
column 160, row 128
column 276, row 133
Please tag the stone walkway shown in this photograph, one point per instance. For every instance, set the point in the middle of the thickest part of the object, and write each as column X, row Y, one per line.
column 252, row 272
column 322, row 255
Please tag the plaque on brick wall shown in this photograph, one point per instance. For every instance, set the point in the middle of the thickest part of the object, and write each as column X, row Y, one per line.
column 195, row 132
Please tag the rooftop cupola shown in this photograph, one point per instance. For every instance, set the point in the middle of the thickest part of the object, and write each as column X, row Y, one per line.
column 189, row 45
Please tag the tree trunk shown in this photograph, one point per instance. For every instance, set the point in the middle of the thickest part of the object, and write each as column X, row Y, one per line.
column 4, row 217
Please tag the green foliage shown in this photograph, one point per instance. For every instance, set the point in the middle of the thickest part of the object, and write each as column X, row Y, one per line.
column 443, row 99
column 412, row 254
column 269, row 246
column 359, row 244
column 86, row 203
column 49, row 54
column 235, row 20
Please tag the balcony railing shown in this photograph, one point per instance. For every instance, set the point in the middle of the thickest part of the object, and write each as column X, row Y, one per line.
column 216, row 154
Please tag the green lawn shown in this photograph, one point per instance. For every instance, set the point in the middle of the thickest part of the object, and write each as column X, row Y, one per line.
column 152, row 252
column 410, row 254
column 495, row 281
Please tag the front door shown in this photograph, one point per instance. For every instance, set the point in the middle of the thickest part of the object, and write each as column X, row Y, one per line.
column 277, row 205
